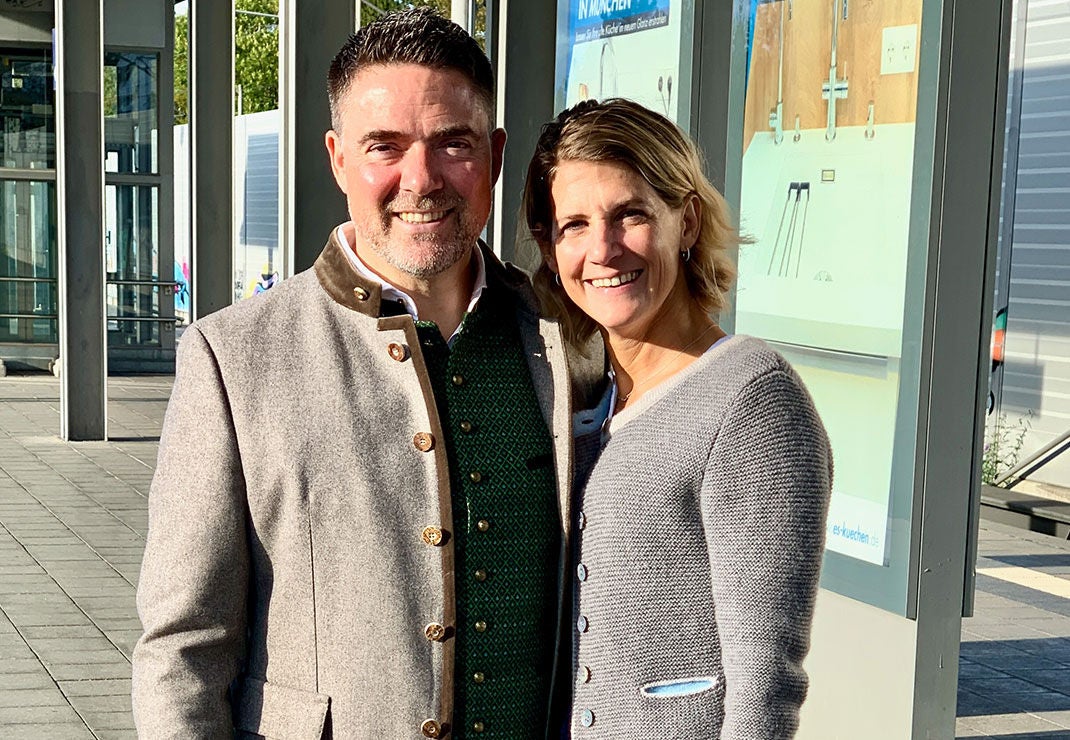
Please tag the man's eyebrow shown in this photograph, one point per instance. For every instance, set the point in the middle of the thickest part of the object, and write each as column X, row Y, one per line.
column 380, row 135
column 452, row 131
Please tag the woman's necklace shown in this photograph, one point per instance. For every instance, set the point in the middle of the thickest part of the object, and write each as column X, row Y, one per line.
column 662, row 367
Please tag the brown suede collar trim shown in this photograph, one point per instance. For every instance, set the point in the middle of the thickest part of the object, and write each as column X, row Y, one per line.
column 349, row 288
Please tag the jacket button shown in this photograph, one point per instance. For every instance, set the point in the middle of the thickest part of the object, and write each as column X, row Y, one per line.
column 430, row 728
column 475, row 476
column 481, row 626
column 435, row 632
column 457, row 379
column 477, row 727
column 361, row 293
column 466, row 426
column 432, row 536
column 397, row 351
column 586, row 718
column 482, row 525
column 423, row 441
column 478, row 677
column 481, row 575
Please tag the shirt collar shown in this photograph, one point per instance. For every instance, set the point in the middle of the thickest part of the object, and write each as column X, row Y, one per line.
column 391, row 292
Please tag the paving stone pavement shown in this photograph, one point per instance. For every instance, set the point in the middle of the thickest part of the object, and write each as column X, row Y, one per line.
column 72, row 527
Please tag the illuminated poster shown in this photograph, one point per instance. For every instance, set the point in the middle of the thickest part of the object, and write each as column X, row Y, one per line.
column 621, row 48
column 827, row 175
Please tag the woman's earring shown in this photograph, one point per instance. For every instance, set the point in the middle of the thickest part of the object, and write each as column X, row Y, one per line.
column 557, row 279
column 686, row 255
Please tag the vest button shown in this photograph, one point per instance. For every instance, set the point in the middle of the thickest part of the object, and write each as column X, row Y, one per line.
column 477, row 727
column 466, row 426
column 423, row 441
column 435, row 632
column 481, row 575
column 481, row 626
column 482, row 525
column 396, row 351
column 432, row 536
column 478, row 677
column 475, row 476
column 430, row 728
column 458, row 379
column 361, row 293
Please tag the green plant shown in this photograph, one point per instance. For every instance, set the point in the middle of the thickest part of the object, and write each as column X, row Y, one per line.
column 1003, row 446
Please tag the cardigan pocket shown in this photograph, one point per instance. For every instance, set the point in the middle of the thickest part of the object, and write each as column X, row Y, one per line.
column 272, row 711
column 678, row 687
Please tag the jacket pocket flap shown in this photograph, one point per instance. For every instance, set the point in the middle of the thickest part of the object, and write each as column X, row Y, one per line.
column 275, row 711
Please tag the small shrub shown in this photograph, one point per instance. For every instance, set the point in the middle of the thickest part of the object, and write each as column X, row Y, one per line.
column 1003, row 446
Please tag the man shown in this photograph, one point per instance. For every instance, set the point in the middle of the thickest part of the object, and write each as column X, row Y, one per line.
column 357, row 530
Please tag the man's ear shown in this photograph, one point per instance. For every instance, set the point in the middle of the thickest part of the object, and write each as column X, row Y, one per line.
column 497, row 153
column 333, row 140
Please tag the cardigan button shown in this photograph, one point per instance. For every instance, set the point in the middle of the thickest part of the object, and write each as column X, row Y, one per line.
column 397, row 351
column 582, row 624
column 430, row 728
column 585, row 674
column 581, row 572
column 423, row 441
column 586, row 718
column 432, row 536
column 435, row 632
column 582, row 520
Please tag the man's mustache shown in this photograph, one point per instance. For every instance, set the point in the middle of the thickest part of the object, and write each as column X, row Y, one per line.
column 443, row 202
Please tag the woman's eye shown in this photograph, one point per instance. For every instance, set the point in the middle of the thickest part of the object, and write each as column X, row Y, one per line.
column 571, row 227
column 633, row 217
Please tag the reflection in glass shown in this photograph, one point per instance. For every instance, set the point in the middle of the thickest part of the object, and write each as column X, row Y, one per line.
column 131, row 218
column 28, row 261
column 130, row 112
column 27, row 110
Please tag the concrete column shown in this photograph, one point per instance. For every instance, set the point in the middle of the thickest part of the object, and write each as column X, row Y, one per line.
column 524, row 35
column 310, row 34
column 80, row 221
column 211, row 134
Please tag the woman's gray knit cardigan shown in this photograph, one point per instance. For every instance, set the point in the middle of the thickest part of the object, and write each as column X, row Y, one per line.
column 700, row 534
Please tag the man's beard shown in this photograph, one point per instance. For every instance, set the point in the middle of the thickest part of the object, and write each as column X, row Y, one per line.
column 422, row 255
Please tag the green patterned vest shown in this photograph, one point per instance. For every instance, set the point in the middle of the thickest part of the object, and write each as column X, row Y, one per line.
column 505, row 523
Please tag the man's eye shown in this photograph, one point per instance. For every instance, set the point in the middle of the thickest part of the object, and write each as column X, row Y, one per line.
column 383, row 148
column 457, row 145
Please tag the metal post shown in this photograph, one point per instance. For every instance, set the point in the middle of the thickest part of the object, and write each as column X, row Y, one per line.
column 211, row 135
column 80, row 222
column 310, row 34
column 522, row 32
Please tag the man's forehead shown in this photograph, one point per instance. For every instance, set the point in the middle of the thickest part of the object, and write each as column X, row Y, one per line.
column 410, row 94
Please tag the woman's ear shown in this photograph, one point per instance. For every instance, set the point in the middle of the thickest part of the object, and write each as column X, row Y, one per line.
column 692, row 220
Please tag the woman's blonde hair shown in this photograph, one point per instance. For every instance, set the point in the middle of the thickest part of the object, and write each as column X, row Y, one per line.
column 623, row 132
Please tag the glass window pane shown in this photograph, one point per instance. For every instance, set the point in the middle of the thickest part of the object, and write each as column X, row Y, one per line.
column 27, row 110
column 28, row 303
column 131, row 224
column 131, row 91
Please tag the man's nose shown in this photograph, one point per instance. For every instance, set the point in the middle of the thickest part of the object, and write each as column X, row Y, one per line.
column 419, row 171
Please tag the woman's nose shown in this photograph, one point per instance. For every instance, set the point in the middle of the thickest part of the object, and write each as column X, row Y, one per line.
column 603, row 242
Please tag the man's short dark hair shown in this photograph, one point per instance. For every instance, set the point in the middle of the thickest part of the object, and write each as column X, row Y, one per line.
column 415, row 36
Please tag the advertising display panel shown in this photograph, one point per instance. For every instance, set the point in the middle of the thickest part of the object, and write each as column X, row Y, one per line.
column 622, row 48
column 828, row 144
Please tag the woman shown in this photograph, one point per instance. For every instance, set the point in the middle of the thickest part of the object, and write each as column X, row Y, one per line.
column 700, row 529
